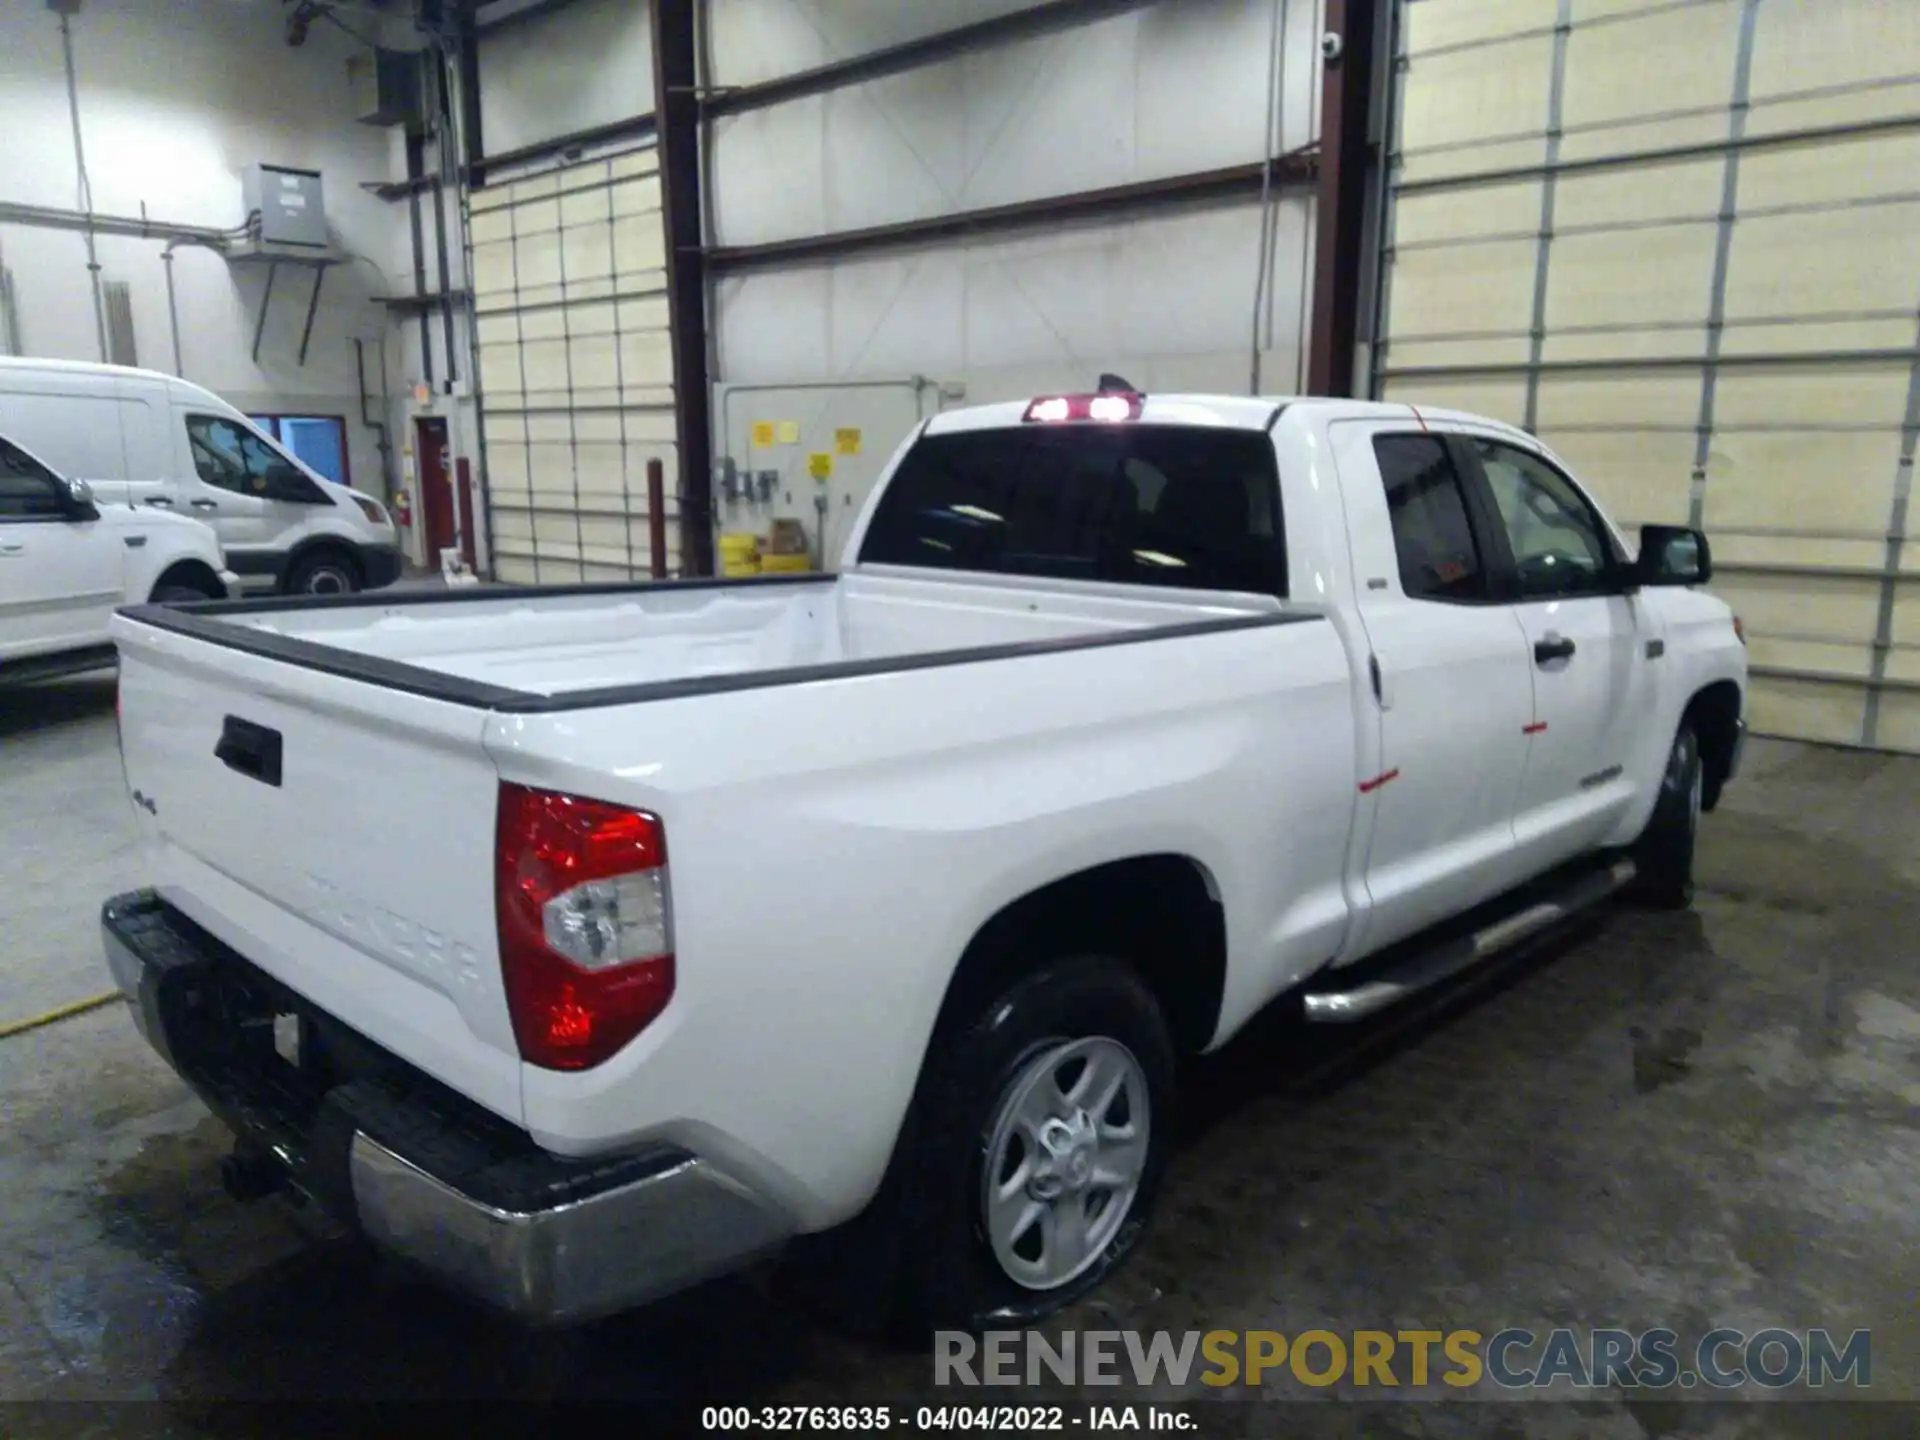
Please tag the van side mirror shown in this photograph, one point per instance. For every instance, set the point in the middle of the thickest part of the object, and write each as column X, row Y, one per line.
column 1672, row 555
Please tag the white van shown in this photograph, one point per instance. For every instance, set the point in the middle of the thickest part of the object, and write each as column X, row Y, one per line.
column 147, row 439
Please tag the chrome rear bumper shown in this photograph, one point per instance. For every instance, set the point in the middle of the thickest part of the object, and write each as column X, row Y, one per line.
column 423, row 1173
column 576, row 1260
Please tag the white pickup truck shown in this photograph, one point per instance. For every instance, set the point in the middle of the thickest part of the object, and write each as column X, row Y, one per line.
column 578, row 944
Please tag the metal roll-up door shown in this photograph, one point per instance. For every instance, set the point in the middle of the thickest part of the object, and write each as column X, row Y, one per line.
column 576, row 369
column 1681, row 243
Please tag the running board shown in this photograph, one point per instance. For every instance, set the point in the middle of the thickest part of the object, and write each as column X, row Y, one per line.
column 60, row 664
column 1430, row 967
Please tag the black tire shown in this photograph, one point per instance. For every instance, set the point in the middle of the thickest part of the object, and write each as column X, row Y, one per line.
column 324, row 572
column 951, row 1276
column 1664, row 851
column 172, row 594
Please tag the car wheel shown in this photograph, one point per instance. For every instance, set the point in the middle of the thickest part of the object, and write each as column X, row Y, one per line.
column 179, row 594
column 1041, row 1148
column 1664, row 852
column 326, row 573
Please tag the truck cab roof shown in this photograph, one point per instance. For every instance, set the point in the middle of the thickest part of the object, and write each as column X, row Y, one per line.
column 1233, row 412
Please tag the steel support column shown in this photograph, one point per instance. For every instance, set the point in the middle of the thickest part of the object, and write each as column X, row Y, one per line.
column 417, row 230
column 677, row 110
column 472, row 141
column 1340, row 222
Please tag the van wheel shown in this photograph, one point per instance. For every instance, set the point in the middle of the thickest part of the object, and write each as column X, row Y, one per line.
column 324, row 572
column 1664, row 851
column 1045, row 1135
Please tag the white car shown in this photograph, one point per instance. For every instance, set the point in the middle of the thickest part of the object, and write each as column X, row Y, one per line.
column 67, row 563
column 160, row 443
column 580, row 943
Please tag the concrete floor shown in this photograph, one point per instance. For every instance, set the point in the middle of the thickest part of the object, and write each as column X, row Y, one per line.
column 1693, row 1120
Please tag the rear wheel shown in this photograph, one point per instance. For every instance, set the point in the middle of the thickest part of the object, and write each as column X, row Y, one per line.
column 1664, row 851
column 1042, row 1146
column 324, row 572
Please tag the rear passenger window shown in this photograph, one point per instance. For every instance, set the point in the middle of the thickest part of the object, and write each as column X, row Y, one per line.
column 1427, row 503
column 1168, row 505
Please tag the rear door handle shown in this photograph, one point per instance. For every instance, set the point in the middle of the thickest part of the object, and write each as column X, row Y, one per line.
column 205, row 504
column 13, row 547
column 252, row 750
column 1551, row 647
column 1382, row 679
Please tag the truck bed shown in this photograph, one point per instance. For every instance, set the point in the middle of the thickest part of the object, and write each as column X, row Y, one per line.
column 266, row 741
column 537, row 649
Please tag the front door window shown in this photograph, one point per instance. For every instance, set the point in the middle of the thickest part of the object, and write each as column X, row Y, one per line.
column 228, row 456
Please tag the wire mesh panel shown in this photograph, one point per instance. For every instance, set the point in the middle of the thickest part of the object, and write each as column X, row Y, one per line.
column 1676, row 241
column 576, row 369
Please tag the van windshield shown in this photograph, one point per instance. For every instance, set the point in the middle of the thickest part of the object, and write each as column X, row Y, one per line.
column 1177, row 506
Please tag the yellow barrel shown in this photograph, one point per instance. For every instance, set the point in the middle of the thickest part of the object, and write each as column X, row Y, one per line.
column 739, row 554
column 784, row 564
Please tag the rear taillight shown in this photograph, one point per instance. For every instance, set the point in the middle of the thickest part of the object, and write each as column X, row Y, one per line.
column 1739, row 630
column 586, row 927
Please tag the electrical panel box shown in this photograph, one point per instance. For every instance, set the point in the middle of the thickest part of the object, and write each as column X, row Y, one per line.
column 386, row 88
column 289, row 205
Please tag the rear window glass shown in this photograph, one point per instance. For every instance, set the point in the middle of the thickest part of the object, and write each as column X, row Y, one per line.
column 1168, row 505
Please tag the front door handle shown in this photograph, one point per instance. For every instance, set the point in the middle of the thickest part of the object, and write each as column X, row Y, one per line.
column 166, row 500
column 13, row 547
column 205, row 504
column 1551, row 647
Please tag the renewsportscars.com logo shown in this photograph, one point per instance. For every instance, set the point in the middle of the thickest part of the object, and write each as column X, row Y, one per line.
column 1512, row 1359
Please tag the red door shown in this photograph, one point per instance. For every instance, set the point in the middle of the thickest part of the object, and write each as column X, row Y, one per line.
column 436, row 487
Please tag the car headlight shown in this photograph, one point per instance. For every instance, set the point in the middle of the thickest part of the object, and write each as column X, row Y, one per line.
column 371, row 509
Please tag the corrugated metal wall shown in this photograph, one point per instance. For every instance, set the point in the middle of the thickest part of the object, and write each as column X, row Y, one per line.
column 1681, row 242
column 810, row 351
column 576, row 368
column 1164, row 297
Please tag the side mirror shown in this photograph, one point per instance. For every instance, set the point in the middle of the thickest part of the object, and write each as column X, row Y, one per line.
column 1672, row 555
column 80, row 504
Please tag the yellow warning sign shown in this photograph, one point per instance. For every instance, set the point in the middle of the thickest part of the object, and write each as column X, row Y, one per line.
column 762, row 434
column 789, row 432
column 847, row 442
column 820, row 464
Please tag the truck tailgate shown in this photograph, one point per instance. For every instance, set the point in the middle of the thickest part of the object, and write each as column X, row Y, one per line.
column 337, row 834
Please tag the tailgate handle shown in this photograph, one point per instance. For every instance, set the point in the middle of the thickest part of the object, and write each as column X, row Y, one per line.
column 252, row 749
